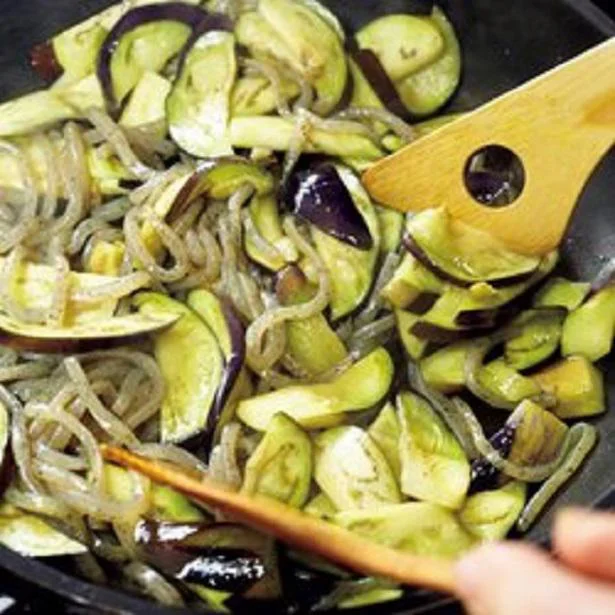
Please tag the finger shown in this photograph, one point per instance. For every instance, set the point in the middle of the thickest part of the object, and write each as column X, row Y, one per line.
column 510, row 579
column 586, row 541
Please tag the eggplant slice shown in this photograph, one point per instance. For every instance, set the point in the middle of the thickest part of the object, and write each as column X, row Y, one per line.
column 43, row 338
column 163, row 29
column 462, row 255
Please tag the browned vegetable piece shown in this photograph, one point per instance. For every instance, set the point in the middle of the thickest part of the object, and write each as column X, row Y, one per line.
column 296, row 528
column 577, row 385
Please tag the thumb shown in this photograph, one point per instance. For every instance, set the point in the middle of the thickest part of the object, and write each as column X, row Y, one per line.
column 510, row 579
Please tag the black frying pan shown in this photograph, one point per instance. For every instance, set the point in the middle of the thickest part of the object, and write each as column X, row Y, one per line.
column 505, row 43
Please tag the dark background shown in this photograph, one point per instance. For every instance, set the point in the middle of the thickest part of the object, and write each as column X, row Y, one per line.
column 17, row 596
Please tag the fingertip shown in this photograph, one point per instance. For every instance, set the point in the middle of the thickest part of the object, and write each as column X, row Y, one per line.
column 499, row 564
column 476, row 569
column 586, row 540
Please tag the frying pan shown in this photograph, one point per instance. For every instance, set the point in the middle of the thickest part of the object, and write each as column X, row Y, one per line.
column 504, row 43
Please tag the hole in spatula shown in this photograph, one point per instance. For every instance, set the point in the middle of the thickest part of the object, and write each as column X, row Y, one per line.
column 494, row 176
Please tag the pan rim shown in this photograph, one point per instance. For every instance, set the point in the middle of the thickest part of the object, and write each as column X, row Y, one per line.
column 82, row 593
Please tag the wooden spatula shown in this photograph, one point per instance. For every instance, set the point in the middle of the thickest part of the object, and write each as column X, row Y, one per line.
column 560, row 125
column 296, row 528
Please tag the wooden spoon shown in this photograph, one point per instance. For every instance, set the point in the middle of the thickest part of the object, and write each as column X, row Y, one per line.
column 559, row 124
column 297, row 528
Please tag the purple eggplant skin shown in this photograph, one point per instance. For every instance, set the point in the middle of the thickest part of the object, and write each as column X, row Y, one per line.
column 380, row 82
column 415, row 249
column 233, row 366
column 423, row 303
column 7, row 468
column 319, row 196
column 212, row 21
column 222, row 556
column 484, row 476
column 440, row 335
column 192, row 16
column 44, row 62
column 231, row 570
column 7, row 462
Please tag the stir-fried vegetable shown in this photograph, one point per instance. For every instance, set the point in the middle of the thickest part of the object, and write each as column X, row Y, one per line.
column 191, row 268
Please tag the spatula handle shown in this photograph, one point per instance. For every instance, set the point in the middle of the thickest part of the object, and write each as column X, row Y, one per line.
column 559, row 124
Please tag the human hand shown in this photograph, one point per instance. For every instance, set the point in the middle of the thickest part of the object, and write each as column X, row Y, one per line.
column 519, row 579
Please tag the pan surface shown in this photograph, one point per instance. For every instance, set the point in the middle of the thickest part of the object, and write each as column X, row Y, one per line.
column 505, row 43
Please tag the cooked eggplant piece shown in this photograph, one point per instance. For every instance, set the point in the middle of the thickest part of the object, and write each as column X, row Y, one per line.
column 281, row 465
column 219, row 179
column 560, row 292
column 166, row 503
column 363, row 94
column 146, row 105
column 32, row 288
column 539, row 434
column 351, row 270
column 410, row 281
column 357, row 593
column 170, row 505
column 296, row 34
column 312, row 343
column 192, row 365
column 459, row 312
column 352, row 471
column 463, row 255
column 484, row 475
column 490, row 515
column 202, row 554
column 252, row 96
column 320, row 506
column 7, row 463
column 404, row 44
column 278, row 134
column 414, row 346
column 213, row 598
column 144, row 39
column 198, row 107
column 370, row 597
column 318, row 195
column 589, row 330
column 373, row 82
column 44, row 62
column 425, row 91
column 576, row 384
column 428, row 126
column 42, row 109
column 391, row 226
column 502, row 386
column 540, row 333
column 434, row 465
column 531, row 436
column 265, row 217
column 323, row 405
column 386, row 432
column 30, row 536
column 444, row 370
column 229, row 333
column 421, row 528
column 76, row 50
column 106, row 258
column 80, row 336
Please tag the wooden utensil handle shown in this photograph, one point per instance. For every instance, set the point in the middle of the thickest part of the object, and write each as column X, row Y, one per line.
column 297, row 528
